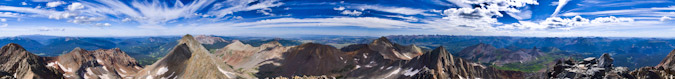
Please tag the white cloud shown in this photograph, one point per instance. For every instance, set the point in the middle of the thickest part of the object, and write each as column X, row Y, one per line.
column 471, row 17
column 654, row 11
column 481, row 18
column 61, row 15
column 4, row 25
column 398, row 10
column 460, row 3
column 611, row 19
column 103, row 24
column 409, row 18
column 565, row 23
column 241, row 5
column 557, row 22
column 524, row 14
column 85, row 19
column 55, row 3
column 75, row 6
column 339, row 8
column 561, row 4
column 265, row 11
column 631, row 3
column 369, row 22
column 665, row 18
column 126, row 19
column 352, row 13
column 502, row 5
column 9, row 14
column 3, row 20
column 24, row 3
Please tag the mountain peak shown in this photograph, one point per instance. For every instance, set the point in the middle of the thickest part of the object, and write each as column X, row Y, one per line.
column 271, row 44
column 7, row 49
column 669, row 61
column 383, row 39
column 190, row 60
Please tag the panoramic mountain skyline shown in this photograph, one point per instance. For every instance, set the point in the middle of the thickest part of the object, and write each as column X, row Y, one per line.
column 539, row 18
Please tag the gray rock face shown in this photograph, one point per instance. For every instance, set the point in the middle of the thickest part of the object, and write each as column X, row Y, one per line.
column 589, row 68
column 605, row 61
column 17, row 63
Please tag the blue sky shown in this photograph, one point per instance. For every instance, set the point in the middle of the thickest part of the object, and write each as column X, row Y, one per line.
column 537, row 18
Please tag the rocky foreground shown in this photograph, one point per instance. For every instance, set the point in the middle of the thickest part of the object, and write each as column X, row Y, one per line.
column 378, row 59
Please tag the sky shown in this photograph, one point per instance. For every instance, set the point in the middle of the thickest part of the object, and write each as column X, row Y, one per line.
column 531, row 18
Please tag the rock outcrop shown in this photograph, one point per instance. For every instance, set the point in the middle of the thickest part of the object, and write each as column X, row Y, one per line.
column 665, row 69
column 589, row 68
column 17, row 63
column 111, row 63
column 245, row 58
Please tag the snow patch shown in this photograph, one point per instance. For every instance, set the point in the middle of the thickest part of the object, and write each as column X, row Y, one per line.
column 52, row 64
column 149, row 77
column 169, row 76
column 123, row 71
column 228, row 74
column 89, row 71
column 65, row 69
column 106, row 69
column 162, row 71
column 357, row 66
column 87, row 77
column 411, row 72
column 99, row 61
column 371, row 64
column 398, row 70
column 364, row 56
column 105, row 76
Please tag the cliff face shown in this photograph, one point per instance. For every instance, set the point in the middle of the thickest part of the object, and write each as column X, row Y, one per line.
column 665, row 69
column 188, row 60
column 111, row 63
column 16, row 62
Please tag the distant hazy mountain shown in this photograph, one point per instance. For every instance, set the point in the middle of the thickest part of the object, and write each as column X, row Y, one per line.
column 630, row 52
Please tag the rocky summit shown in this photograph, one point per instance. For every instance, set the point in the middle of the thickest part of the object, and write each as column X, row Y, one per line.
column 602, row 68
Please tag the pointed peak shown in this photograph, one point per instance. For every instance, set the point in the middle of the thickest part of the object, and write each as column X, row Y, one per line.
column 188, row 36
column 272, row 43
column 440, row 49
column 383, row 39
column 236, row 42
column 189, row 40
column 13, row 45
column 605, row 55
column 78, row 49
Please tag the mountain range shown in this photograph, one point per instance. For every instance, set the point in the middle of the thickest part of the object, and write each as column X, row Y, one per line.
column 189, row 58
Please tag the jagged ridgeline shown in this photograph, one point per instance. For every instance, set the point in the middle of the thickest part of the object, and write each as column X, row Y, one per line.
column 380, row 59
